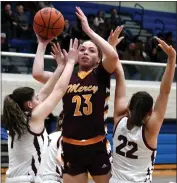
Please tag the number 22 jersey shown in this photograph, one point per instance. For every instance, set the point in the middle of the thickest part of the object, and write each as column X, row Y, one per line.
column 133, row 159
column 85, row 104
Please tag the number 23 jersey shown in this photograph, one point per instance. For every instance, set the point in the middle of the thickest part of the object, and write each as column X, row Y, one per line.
column 85, row 103
column 133, row 159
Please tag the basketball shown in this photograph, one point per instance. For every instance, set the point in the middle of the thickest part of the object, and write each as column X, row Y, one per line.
column 48, row 23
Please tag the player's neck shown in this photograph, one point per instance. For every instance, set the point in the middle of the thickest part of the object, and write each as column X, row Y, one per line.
column 84, row 69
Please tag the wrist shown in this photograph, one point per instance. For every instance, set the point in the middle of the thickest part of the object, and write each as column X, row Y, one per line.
column 61, row 65
column 89, row 31
column 71, row 61
column 42, row 45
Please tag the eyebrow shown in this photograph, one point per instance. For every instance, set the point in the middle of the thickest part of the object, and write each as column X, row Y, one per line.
column 89, row 47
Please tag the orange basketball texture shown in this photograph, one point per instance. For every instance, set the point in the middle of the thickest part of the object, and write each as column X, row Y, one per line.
column 48, row 23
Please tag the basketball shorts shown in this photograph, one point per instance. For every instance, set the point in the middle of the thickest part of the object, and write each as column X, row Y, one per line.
column 94, row 158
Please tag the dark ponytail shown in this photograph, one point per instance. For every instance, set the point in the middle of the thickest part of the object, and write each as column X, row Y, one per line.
column 14, row 119
column 140, row 104
column 15, row 114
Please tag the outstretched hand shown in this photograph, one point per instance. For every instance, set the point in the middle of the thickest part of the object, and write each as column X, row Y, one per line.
column 72, row 55
column 114, row 39
column 169, row 50
column 80, row 14
column 57, row 54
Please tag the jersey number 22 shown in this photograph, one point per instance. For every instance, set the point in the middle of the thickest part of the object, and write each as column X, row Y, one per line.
column 125, row 142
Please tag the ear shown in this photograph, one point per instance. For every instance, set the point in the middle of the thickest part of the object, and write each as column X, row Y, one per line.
column 149, row 113
column 28, row 105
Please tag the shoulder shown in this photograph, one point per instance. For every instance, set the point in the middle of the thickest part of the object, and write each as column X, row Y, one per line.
column 121, row 122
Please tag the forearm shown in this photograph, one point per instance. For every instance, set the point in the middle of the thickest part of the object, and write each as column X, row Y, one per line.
column 63, row 82
column 168, row 76
column 106, row 48
column 48, row 87
column 38, row 66
column 120, row 103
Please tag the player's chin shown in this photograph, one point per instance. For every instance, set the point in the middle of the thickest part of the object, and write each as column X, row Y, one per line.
column 86, row 64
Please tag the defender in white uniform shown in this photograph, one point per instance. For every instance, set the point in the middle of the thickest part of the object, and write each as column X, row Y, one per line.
column 25, row 156
column 52, row 171
column 131, row 154
column 24, row 113
column 137, row 125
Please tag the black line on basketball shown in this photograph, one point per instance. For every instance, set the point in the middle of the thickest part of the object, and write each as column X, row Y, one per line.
column 52, row 31
column 40, row 31
column 44, row 27
column 56, row 20
column 42, row 18
column 49, row 22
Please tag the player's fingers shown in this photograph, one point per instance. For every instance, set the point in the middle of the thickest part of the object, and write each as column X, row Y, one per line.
column 79, row 16
column 58, row 47
column 162, row 43
column 118, row 30
column 65, row 53
column 71, row 43
column 120, row 39
column 75, row 44
column 80, row 11
column 52, row 54
column 55, row 47
column 111, row 33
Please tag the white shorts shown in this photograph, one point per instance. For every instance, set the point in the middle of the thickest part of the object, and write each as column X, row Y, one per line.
column 114, row 180
column 51, row 179
column 20, row 179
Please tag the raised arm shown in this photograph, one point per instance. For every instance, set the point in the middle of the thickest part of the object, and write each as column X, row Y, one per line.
column 46, row 107
column 48, row 87
column 120, row 104
column 155, row 122
column 38, row 66
column 110, row 61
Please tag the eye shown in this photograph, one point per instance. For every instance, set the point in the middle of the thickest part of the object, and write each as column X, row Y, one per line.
column 92, row 51
column 82, row 49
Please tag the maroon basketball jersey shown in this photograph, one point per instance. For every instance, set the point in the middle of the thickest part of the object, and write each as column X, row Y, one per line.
column 85, row 103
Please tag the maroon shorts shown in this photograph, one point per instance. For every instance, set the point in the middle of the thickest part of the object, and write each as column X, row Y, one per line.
column 94, row 159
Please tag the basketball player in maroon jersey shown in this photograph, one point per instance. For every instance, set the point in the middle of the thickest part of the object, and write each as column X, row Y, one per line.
column 84, row 141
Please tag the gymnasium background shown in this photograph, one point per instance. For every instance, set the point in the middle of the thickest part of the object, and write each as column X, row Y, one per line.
column 141, row 20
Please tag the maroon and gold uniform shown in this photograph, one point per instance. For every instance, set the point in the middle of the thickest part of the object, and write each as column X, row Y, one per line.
column 85, row 106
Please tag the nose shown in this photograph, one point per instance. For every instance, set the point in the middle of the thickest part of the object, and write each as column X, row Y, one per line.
column 86, row 52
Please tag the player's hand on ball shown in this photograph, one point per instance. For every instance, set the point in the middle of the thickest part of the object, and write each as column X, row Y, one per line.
column 57, row 54
column 80, row 14
column 114, row 39
column 169, row 50
column 41, row 40
column 72, row 56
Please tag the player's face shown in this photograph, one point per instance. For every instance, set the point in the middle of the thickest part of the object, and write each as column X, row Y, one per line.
column 34, row 102
column 88, row 55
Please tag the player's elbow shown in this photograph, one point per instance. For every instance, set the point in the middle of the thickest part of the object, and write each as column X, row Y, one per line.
column 38, row 76
column 114, row 56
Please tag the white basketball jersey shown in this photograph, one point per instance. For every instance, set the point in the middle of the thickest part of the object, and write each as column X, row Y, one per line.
column 133, row 159
column 26, row 153
column 50, row 166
